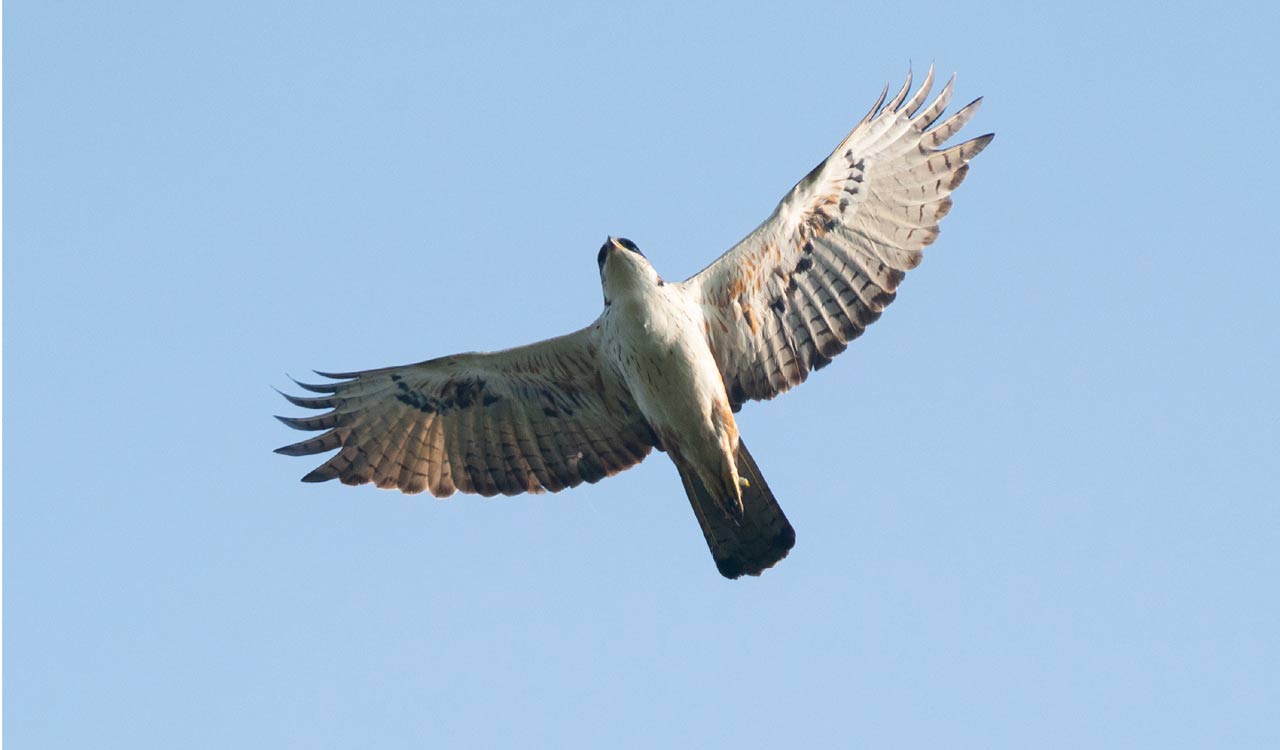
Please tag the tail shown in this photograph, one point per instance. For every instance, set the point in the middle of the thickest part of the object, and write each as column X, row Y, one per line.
column 762, row 538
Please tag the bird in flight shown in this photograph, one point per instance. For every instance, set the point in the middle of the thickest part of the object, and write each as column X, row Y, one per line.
column 666, row 365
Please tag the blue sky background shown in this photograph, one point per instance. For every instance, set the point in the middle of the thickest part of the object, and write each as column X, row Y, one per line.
column 1036, row 503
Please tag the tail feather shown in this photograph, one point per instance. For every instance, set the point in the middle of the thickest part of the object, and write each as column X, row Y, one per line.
column 759, row 540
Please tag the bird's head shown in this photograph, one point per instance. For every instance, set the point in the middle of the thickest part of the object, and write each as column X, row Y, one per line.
column 623, row 268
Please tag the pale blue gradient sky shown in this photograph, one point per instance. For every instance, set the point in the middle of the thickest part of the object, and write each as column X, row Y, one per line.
column 1036, row 503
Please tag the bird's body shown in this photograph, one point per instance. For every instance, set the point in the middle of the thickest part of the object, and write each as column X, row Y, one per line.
column 659, row 349
column 667, row 365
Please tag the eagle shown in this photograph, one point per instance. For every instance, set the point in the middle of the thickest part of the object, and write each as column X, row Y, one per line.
column 666, row 365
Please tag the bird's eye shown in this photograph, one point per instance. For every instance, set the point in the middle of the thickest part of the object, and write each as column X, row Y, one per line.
column 628, row 244
column 604, row 249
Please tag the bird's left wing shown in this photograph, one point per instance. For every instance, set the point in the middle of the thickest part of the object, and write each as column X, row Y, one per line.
column 823, row 266
column 541, row 417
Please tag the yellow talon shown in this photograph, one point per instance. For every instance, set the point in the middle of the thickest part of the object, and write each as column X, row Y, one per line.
column 743, row 481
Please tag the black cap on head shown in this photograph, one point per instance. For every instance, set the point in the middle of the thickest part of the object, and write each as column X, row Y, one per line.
column 604, row 250
column 621, row 242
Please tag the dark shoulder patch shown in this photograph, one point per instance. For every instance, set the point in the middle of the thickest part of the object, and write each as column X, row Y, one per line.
column 418, row 400
column 455, row 395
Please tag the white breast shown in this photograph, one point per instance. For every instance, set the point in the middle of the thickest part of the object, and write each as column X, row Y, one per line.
column 655, row 342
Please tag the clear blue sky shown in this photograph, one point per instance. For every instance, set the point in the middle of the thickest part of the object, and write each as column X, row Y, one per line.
column 1036, row 503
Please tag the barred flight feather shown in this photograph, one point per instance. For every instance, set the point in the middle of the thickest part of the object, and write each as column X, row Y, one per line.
column 541, row 417
column 830, row 258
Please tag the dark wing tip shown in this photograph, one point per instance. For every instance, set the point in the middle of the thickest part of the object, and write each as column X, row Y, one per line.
column 319, row 444
column 325, row 421
column 315, row 387
column 976, row 145
column 308, row 402
column 337, row 375
column 295, row 449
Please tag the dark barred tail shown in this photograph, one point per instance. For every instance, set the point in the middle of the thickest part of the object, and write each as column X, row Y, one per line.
column 764, row 535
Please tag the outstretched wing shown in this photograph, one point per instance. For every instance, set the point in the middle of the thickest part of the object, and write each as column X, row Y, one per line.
column 825, row 264
column 539, row 417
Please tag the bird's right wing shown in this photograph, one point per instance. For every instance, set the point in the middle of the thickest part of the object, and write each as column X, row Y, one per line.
column 540, row 417
column 825, row 264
